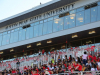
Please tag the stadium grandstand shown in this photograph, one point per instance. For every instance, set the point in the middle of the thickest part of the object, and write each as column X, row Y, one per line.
column 61, row 37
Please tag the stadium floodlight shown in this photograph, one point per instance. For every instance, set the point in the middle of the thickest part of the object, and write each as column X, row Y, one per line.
column 28, row 46
column 38, row 43
column 92, row 32
column 1, row 52
column 11, row 50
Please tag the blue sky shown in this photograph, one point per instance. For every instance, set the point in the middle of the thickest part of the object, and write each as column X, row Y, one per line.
column 11, row 7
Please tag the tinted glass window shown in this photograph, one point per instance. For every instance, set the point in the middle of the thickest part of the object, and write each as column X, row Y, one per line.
column 20, row 28
column 0, row 34
column 32, row 24
column 8, row 39
column 0, row 40
column 51, row 18
column 98, row 3
column 36, row 23
column 40, row 29
column 55, row 25
column 98, row 16
column 8, row 31
column 45, row 20
column 4, row 40
column 45, row 28
column 41, row 21
column 27, row 33
column 12, row 30
column 93, row 14
column 72, row 20
column 31, row 32
column 80, row 9
column 4, row 33
column 55, row 17
column 66, row 22
column 16, row 36
column 80, row 18
column 61, row 22
column 20, row 35
column 16, row 29
column 23, row 35
column 49, row 27
column 73, row 11
column 36, row 31
column 87, row 16
column 11, row 37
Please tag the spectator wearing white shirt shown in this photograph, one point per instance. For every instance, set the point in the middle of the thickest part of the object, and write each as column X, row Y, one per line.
column 89, row 63
column 84, row 58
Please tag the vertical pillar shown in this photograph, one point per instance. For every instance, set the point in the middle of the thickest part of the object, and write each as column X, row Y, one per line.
column 54, row 56
column 81, row 73
column 66, row 46
column 43, row 58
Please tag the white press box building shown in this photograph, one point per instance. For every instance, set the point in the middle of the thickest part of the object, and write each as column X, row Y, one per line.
column 53, row 25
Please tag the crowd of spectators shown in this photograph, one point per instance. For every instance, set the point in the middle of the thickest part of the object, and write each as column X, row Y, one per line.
column 86, row 62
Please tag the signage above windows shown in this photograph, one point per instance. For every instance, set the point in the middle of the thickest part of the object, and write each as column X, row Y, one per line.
column 41, row 16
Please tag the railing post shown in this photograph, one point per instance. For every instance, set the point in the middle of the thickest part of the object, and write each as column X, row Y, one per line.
column 54, row 56
column 48, row 57
column 43, row 59
column 81, row 73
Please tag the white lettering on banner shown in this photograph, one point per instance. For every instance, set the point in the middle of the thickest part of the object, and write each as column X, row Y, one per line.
column 41, row 16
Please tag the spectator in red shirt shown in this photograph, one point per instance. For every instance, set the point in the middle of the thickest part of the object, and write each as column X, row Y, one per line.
column 90, row 57
column 43, row 51
column 37, row 69
column 80, row 67
column 94, row 58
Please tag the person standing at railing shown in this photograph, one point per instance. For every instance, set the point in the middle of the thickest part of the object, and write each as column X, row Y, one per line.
column 59, row 59
column 39, row 52
column 84, row 58
column 43, row 52
column 94, row 58
column 18, row 64
column 52, row 60
column 66, row 60
column 70, row 58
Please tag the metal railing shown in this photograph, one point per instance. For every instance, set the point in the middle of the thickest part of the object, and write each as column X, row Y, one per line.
column 79, row 73
column 45, row 59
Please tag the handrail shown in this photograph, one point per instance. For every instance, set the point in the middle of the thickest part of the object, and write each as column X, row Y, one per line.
column 79, row 72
